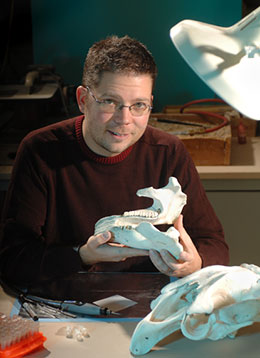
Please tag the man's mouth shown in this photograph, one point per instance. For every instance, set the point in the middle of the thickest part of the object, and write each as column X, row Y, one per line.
column 117, row 134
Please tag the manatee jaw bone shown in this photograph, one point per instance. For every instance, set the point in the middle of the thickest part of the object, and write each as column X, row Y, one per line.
column 167, row 205
column 135, row 228
column 145, row 236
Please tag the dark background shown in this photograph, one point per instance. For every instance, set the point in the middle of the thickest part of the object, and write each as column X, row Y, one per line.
column 60, row 32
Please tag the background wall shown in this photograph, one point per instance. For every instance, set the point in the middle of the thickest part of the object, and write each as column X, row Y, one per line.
column 64, row 30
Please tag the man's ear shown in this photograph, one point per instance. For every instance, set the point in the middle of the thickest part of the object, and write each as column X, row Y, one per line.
column 81, row 95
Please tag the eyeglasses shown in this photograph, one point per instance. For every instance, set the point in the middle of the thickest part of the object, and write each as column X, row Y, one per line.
column 137, row 109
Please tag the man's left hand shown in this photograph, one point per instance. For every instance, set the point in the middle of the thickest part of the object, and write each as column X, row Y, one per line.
column 188, row 262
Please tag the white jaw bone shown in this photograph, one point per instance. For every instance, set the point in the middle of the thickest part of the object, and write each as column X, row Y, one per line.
column 135, row 228
column 167, row 204
column 212, row 303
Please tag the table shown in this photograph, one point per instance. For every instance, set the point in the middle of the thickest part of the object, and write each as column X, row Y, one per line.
column 111, row 338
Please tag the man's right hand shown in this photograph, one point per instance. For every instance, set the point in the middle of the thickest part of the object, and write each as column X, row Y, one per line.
column 100, row 248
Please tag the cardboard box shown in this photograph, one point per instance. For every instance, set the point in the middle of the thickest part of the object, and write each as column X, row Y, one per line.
column 211, row 148
column 250, row 124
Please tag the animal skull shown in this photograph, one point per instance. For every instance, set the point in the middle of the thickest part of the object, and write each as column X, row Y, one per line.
column 213, row 303
column 136, row 228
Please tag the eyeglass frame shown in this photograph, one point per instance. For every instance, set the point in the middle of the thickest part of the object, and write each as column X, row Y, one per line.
column 119, row 106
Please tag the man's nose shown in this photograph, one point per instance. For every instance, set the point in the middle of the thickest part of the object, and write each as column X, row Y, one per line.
column 123, row 115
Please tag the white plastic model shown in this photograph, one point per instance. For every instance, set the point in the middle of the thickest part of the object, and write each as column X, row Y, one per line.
column 136, row 228
column 213, row 303
column 227, row 59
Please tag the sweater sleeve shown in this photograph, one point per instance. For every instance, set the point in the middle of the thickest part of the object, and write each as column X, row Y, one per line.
column 199, row 217
column 26, row 256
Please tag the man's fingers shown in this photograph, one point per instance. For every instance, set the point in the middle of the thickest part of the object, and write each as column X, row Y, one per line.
column 185, row 256
column 99, row 239
column 185, row 239
column 160, row 264
column 157, row 261
column 168, row 259
column 179, row 223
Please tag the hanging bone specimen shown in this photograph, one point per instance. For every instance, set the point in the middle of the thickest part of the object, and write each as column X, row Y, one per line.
column 136, row 228
column 212, row 303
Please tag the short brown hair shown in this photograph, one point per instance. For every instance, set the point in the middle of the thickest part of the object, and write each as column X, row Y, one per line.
column 117, row 54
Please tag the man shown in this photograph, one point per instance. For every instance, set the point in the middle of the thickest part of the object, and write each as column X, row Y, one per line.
column 70, row 174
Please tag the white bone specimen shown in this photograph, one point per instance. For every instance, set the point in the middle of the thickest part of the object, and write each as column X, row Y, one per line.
column 136, row 228
column 212, row 303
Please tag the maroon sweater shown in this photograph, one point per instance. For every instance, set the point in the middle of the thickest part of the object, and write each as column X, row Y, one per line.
column 60, row 188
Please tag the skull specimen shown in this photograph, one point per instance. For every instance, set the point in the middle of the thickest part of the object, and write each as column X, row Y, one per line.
column 136, row 228
column 212, row 303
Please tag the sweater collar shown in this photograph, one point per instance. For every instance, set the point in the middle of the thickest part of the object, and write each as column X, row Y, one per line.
column 96, row 157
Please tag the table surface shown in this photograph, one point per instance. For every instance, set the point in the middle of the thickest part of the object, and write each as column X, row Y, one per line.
column 112, row 337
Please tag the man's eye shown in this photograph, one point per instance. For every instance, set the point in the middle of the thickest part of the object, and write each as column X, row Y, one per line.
column 109, row 101
column 139, row 105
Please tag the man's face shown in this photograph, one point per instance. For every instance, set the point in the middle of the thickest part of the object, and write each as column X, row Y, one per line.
column 109, row 134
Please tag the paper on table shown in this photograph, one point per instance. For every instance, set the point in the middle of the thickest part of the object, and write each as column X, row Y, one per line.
column 115, row 303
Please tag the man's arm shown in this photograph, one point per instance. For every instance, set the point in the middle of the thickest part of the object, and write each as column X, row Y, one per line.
column 199, row 218
column 201, row 233
column 26, row 256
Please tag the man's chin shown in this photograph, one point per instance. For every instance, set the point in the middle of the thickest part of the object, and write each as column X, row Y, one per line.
column 117, row 149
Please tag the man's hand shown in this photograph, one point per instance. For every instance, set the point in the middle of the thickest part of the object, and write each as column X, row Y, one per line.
column 99, row 249
column 189, row 260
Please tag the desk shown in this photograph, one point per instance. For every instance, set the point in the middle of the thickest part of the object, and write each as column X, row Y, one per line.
column 111, row 338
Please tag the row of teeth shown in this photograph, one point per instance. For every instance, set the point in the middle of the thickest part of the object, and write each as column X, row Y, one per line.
column 142, row 213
